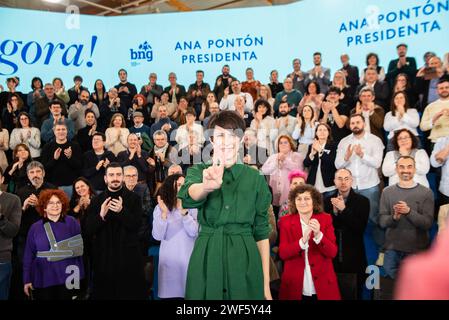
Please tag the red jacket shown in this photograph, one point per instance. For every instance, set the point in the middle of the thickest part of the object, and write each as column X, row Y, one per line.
column 320, row 259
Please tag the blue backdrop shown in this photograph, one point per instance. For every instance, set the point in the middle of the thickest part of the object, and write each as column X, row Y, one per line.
column 265, row 38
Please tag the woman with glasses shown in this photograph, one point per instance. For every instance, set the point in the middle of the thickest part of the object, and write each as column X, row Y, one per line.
column 405, row 143
column 27, row 134
column 54, row 245
column 231, row 256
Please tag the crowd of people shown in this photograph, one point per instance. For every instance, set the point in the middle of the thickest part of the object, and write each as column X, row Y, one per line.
column 236, row 190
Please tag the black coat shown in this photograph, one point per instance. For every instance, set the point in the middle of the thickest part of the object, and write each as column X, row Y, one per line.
column 327, row 165
column 349, row 227
column 382, row 94
column 117, row 262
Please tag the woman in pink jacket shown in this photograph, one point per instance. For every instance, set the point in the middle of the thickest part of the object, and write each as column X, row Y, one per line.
column 279, row 165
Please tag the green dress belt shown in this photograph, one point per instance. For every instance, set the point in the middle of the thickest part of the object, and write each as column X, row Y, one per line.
column 216, row 257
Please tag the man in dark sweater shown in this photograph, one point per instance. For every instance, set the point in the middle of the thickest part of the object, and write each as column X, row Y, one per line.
column 113, row 220
column 28, row 196
column 126, row 90
column 165, row 124
column 406, row 211
column 350, row 213
column 10, row 214
column 62, row 159
column 402, row 64
column 96, row 160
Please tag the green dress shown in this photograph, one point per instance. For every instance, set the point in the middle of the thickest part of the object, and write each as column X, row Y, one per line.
column 225, row 262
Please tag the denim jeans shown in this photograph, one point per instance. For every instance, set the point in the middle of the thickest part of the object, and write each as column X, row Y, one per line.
column 5, row 279
column 392, row 260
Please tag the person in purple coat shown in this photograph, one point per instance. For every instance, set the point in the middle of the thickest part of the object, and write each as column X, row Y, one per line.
column 52, row 262
column 177, row 229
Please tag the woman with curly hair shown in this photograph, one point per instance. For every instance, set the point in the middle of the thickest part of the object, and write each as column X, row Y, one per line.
column 177, row 229
column 307, row 246
column 54, row 245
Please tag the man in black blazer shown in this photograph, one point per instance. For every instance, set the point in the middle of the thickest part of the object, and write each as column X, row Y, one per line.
column 350, row 213
column 381, row 89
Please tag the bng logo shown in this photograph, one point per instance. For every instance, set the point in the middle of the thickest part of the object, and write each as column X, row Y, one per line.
column 143, row 53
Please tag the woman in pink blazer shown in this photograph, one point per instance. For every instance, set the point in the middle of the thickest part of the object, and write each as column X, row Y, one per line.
column 307, row 247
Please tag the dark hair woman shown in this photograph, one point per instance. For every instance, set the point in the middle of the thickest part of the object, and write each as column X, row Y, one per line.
column 307, row 246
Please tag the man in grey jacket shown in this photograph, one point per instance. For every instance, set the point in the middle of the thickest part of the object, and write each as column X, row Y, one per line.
column 10, row 215
column 78, row 109
column 406, row 211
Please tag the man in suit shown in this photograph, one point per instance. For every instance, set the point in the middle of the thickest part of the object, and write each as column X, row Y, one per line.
column 319, row 73
column 349, row 212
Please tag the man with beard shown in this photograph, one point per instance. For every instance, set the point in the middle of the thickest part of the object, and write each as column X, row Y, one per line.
column 222, row 82
column 436, row 115
column 361, row 153
column 319, row 73
column 126, row 90
column 290, row 95
column 113, row 220
column 28, row 195
column 78, row 110
column 402, row 64
column 406, row 211
column 285, row 123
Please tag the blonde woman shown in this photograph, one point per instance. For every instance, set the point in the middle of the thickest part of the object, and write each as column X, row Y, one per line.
column 117, row 135
column 264, row 92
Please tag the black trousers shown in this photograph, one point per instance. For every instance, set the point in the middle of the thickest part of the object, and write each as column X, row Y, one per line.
column 310, row 298
column 54, row 293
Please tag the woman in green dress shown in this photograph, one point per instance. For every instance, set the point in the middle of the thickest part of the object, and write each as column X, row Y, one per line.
column 230, row 259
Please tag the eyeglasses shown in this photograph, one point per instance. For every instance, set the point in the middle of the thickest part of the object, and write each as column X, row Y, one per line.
column 57, row 203
column 403, row 138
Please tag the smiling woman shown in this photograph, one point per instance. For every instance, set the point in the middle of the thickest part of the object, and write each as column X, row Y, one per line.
column 307, row 246
column 44, row 270
column 232, row 226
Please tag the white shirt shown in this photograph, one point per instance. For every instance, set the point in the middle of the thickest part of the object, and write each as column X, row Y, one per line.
column 228, row 103
column 308, row 288
column 422, row 165
column 182, row 135
column 308, row 135
column 364, row 170
column 410, row 121
column 444, row 183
